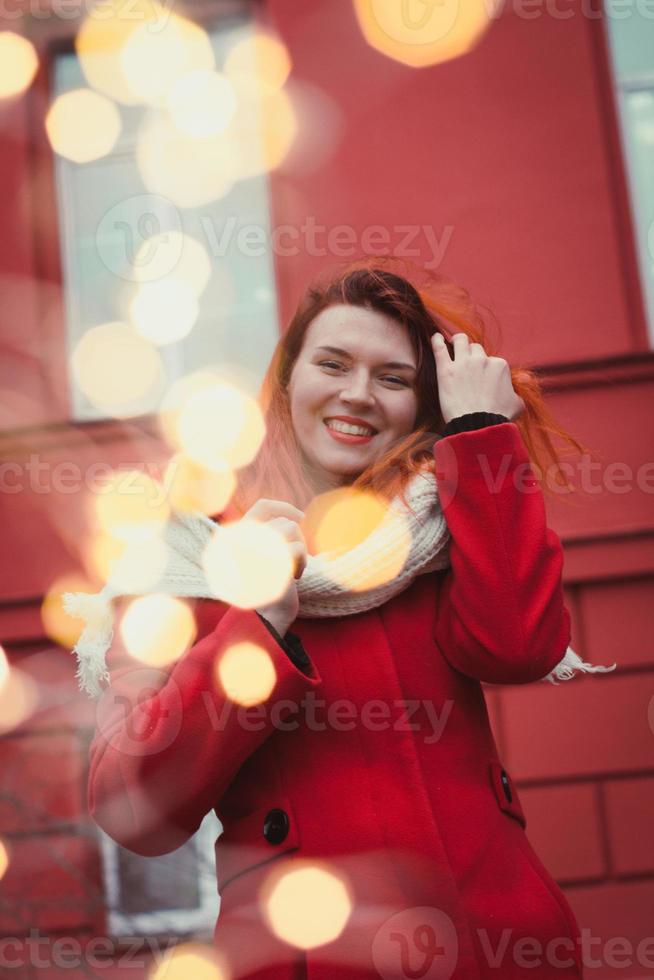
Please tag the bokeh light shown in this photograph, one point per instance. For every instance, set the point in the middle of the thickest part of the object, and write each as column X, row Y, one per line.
column 259, row 65
column 418, row 33
column 176, row 254
column 190, row 960
column 4, row 667
column 264, row 129
column 18, row 64
column 19, row 698
column 82, row 125
column 307, row 906
column 61, row 628
column 192, row 487
column 131, row 506
column 202, row 103
column 246, row 674
column 128, row 567
column 164, row 312
column 220, row 425
column 248, row 564
column 157, row 629
column 118, row 370
column 186, row 170
column 4, row 859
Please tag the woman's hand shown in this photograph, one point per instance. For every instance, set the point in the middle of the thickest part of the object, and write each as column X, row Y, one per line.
column 285, row 519
column 473, row 381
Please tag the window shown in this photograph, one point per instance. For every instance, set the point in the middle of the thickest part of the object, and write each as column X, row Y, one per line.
column 631, row 39
column 171, row 895
column 106, row 212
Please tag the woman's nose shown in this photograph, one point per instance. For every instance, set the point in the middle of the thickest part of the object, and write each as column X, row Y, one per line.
column 356, row 389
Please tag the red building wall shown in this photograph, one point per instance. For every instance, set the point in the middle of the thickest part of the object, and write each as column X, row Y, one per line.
column 511, row 156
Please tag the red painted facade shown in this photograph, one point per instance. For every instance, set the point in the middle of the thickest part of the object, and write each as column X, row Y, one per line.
column 511, row 156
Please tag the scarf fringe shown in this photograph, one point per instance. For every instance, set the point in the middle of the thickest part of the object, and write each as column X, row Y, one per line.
column 96, row 638
column 565, row 669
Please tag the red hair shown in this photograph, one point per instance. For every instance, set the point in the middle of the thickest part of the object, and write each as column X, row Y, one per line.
column 434, row 303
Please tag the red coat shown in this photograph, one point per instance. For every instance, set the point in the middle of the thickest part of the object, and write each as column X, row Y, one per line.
column 408, row 803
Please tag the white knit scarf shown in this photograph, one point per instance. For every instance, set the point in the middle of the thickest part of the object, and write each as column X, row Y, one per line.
column 320, row 594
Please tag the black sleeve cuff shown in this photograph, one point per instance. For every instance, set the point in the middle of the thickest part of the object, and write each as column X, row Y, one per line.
column 472, row 420
column 292, row 646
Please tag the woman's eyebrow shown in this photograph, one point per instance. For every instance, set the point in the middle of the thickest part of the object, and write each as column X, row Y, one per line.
column 387, row 364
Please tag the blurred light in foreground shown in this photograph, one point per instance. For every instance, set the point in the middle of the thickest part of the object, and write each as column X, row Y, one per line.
column 187, row 171
column 18, row 64
column 177, row 395
column 19, row 697
column 248, row 564
column 175, row 254
column 103, row 37
column 82, row 125
column 190, row 960
column 219, row 426
column 201, row 103
column 307, row 906
column 157, row 629
column 192, row 487
column 259, row 64
column 418, row 33
column 343, row 519
column 165, row 311
column 264, row 130
column 131, row 506
column 4, row 859
column 129, row 567
column 57, row 624
column 4, row 667
column 246, row 674
column 117, row 369
column 156, row 56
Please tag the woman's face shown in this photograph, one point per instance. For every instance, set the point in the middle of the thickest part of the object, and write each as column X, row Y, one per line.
column 369, row 377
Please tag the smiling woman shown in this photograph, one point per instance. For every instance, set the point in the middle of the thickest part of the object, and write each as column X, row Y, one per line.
column 349, row 842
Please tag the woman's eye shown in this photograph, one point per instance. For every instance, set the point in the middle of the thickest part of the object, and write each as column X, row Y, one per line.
column 387, row 377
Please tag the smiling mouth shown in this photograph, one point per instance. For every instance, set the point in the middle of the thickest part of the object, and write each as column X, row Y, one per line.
column 349, row 429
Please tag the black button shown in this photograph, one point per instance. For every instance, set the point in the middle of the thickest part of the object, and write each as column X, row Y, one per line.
column 505, row 784
column 275, row 826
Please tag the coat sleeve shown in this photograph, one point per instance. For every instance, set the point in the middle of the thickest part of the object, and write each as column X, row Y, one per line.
column 169, row 742
column 501, row 617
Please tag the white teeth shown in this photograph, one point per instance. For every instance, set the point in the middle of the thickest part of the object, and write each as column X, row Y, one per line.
column 355, row 430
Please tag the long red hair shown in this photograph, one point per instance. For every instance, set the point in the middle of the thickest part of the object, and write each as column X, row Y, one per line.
column 430, row 303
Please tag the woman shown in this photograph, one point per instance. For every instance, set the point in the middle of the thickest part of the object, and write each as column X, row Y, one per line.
column 371, row 766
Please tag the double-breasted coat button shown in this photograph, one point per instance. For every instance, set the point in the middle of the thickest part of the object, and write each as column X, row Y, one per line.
column 275, row 826
column 506, row 786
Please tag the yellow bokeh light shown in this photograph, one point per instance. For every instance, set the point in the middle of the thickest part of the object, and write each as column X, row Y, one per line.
column 131, row 506
column 340, row 520
column 103, row 36
column 19, row 697
column 260, row 64
column 418, row 33
column 263, row 129
column 4, row 859
column 18, row 64
column 156, row 55
column 157, row 629
column 192, row 487
column 187, row 170
column 164, row 312
column 202, row 103
column 177, row 396
column 221, row 425
column 190, row 961
column 129, row 567
column 57, row 624
column 247, row 564
column 82, row 125
column 176, row 254
column 4, row 667
column 117, row 369
column 307, row 906
column 246, row 674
